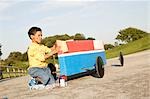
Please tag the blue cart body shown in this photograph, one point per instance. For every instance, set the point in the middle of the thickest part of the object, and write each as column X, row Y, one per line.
column 78, row 62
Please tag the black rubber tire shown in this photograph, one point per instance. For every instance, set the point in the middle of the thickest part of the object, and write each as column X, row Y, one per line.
column 99, row 67
column 121, row 58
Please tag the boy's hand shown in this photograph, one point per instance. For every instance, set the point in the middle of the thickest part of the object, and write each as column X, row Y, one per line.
column 55, row 49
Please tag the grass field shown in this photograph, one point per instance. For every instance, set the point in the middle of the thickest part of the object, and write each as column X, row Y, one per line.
column 133, row 47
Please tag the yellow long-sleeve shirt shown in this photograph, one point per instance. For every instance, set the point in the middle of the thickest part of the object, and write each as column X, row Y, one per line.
column 36, row 53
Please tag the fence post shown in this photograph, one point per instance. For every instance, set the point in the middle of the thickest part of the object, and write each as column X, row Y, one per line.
column 22, row 72
column 8, row 72
column 14, row 71
column 25, row 71
column 18, row 72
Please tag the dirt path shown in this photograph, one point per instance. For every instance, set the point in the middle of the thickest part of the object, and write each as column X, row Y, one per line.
column 132, row 81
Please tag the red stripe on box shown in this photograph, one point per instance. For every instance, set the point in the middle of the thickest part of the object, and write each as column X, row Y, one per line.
column 80, row 45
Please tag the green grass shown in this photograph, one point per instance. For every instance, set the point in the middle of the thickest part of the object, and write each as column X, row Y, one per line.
column 133, row 47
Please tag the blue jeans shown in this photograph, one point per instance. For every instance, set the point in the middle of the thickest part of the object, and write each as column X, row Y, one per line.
column 43, row 73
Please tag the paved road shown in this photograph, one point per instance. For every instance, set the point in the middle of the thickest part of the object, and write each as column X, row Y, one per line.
column 132, row 81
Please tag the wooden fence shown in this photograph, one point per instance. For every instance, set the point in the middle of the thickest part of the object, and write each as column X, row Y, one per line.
column 11, row 71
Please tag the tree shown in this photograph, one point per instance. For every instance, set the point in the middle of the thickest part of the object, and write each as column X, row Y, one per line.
column 15, row 56
column 79, row 36
column 108, row 46
column 10, row 62
column 63, row 37
column 24, row 57
column 130, row 34
column 116, row 44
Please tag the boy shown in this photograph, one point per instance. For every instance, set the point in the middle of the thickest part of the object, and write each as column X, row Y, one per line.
column 37, row 54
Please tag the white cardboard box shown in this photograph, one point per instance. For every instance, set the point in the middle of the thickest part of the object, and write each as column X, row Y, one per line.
column 98, row 44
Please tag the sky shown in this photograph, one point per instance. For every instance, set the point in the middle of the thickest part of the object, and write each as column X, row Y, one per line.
column 100, row 19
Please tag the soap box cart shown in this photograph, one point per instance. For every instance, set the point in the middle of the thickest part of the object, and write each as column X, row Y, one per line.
column 77, row 57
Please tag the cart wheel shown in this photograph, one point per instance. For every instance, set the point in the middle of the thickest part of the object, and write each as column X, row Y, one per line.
column 121, row 59
column 99, row 67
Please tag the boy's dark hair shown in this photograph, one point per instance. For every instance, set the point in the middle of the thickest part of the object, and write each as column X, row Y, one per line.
column 33, row 30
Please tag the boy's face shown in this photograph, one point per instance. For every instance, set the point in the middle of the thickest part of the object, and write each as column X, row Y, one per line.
column 37, row 37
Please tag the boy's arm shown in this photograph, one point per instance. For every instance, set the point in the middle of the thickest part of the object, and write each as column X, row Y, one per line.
column 53, row 50
column 46, row 56
column 47, row 49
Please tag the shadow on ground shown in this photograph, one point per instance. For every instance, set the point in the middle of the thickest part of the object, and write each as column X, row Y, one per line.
column 116, row 65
